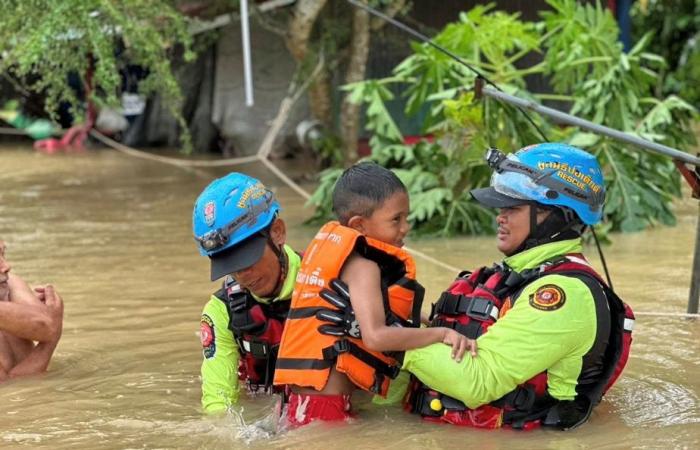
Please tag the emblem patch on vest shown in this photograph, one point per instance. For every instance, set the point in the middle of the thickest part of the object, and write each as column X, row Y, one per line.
column 548, row 298
column 206, row 335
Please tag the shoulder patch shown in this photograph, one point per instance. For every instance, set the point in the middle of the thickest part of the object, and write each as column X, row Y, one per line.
column 207, row 336
column 548, row 297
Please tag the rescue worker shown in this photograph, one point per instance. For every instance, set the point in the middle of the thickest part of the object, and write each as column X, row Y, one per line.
column 552, row 336
column 236, row 224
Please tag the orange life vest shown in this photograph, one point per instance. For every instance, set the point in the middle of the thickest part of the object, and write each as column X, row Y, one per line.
column 307, row 355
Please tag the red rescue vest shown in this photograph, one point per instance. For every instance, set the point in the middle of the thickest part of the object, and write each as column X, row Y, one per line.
column 257, row 329
column 476, row 300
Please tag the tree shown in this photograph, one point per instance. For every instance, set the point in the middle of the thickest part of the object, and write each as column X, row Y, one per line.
column 44, row 42
column 676, row 28
column 587, row 69
column 313, row 35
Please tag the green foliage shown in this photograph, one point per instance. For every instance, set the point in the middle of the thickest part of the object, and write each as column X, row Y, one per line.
column 618, row 92
column 587, row 68
column 45, row 41
column 675, row 25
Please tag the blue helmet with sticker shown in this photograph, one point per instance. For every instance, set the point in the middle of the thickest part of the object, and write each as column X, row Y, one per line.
column 230, row 220
column 551, row 174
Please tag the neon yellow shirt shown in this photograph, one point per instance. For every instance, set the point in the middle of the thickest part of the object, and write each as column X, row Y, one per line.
column 220, row 364
column 525, row 342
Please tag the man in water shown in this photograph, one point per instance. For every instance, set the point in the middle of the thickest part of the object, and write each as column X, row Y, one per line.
column 236, row 224
column 26, row 317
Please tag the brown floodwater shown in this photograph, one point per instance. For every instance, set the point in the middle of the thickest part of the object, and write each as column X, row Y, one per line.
column 113, row 234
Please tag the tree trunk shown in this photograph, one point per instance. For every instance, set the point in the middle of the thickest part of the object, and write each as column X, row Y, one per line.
column 300, row 27
column 357, row 65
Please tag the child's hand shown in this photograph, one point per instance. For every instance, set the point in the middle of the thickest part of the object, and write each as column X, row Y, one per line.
column 459, row 343
column 424, row 319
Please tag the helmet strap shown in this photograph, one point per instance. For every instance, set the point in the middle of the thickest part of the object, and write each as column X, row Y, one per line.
column 561, row 224
column 282, row 260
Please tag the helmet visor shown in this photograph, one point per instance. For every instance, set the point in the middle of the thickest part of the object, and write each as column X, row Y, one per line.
column 238, row 257
column 491, row 198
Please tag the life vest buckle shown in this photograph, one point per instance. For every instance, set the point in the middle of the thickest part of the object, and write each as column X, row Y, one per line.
column 447, row 304
column 238, row 302
column 255, row 348
column 341, row 346
column 479, row 308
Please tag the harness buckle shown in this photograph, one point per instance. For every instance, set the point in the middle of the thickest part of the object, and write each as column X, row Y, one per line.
column 479, row 308
column 447, row 304
column 255, row 348
column 393, row 371
column 238, row 302
column 341, row 346
column 425, row 404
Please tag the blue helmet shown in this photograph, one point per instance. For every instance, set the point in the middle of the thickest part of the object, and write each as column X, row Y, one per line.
column 229, row 221
column 550, row 174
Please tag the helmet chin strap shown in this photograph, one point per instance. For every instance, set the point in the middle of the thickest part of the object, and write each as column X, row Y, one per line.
column 559, row 225
column 282, row 260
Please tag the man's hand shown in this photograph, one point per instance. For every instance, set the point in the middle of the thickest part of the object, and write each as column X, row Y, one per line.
column 459, row 343
column 54, row 307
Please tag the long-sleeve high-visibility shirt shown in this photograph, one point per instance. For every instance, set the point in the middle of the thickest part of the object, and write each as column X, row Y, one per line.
column 526, row 341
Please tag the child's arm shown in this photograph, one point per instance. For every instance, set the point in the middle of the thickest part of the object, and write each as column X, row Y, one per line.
column 363, row 279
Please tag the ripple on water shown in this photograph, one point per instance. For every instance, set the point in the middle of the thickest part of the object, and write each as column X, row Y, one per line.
column 649, row 401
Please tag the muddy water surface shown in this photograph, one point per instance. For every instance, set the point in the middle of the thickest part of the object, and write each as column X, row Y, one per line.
column 113, row 234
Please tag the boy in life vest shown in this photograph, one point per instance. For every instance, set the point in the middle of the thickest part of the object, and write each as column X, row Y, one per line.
column 236, row 224
column 326, row 354
column 553, row 336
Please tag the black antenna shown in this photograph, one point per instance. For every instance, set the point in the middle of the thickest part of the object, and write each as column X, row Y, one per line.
column 602, row 258
column 428, row 41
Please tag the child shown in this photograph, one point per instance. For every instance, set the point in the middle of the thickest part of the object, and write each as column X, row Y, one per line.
column 324, row 363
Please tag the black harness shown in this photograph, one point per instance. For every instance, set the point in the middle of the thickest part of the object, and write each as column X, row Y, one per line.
column 257, row 330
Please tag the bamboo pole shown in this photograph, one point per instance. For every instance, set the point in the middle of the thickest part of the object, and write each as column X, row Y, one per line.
column 562, row 117
column 694, row 294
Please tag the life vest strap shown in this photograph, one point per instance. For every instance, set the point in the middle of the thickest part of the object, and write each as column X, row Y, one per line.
column 304, row 363
column 346, row 346
column 304, row 313
column 522, row 398
column 479, row 308
column 419, row 294
column 472, row 330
